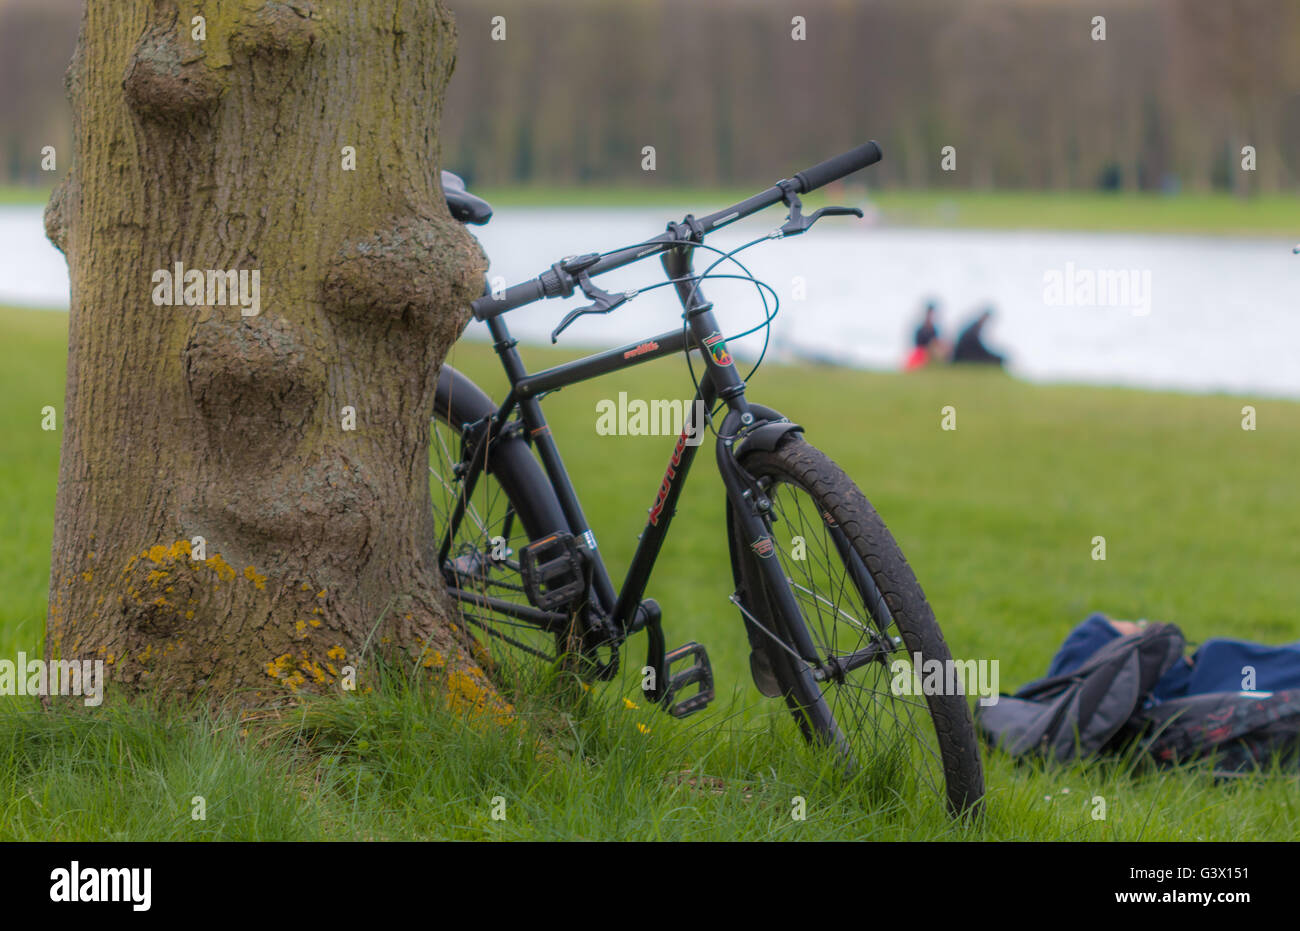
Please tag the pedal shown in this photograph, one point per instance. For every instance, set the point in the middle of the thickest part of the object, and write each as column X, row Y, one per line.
column 701, row 674
column 553, row 571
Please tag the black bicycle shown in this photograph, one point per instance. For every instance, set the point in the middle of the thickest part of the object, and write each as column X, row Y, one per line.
column 827, row 621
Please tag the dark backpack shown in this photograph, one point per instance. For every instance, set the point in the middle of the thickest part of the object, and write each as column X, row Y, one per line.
column 1082, row 711
column 1102, row 705
column 1241, row 730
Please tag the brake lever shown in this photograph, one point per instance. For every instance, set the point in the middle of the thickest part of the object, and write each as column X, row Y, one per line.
column 797, row 223
column 604, row 303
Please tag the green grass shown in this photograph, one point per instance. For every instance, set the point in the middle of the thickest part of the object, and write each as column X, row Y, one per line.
column 23, row 196
column 997, row 518
column 1187, row 213
column 1222, row 214
column 32, row 353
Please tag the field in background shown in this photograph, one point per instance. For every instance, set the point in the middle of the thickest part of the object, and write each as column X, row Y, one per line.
column 1186, row 213
column 997, row 518
column 23, row 196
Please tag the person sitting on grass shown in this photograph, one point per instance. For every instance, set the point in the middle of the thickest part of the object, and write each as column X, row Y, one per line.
column 1217, row 666
column 926, row 344
column 970, row 344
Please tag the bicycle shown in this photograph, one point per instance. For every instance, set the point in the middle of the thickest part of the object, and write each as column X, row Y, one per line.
column 520, row 558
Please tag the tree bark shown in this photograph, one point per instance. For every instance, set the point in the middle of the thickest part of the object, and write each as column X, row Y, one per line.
column 186, row 422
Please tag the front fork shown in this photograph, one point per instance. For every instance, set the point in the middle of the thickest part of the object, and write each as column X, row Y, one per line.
column 722, row 382
column 752, row 511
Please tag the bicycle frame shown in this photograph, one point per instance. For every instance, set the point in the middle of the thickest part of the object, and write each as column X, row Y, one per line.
column 625, row 610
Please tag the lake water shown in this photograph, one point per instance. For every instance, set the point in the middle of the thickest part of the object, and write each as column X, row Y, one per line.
column 1202, row 313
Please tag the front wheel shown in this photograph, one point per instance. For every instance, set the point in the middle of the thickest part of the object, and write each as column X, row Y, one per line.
column 846, row 665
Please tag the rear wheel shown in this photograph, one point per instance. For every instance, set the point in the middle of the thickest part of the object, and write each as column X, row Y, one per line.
column 512, row 504
column 862, row 611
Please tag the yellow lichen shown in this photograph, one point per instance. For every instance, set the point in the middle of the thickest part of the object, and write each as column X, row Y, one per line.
column 259, row 581
column 224, row 570
column 469, row 692
column 432, row 659
column 314, row 670
column 279, row 666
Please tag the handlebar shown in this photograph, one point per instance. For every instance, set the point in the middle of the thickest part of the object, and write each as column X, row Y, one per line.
column 559, row 280
column 835, row 168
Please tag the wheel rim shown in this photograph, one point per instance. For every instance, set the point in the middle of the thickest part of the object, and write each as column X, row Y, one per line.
column 890, row 735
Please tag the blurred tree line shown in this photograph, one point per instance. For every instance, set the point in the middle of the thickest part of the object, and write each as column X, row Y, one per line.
column 725, row 94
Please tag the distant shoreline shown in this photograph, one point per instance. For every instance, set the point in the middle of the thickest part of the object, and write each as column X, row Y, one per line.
column 1215, row 214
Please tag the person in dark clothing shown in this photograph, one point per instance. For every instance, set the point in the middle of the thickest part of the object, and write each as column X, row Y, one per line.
column 970, row 344
column 927, row 332
column 1218, row 665
column 926, row 344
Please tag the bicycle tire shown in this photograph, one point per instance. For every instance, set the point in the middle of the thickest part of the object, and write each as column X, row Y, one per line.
column 797, row 465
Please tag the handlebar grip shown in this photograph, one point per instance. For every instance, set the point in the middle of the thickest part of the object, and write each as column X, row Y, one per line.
column 489, row 305
column 810, row 179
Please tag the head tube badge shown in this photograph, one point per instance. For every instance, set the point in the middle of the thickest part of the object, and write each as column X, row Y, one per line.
column 717, row 347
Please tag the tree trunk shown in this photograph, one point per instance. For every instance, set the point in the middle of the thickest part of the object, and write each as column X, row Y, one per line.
column 205, row 420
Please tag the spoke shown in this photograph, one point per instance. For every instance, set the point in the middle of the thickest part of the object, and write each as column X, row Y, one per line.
column 840, row 611
column 493, row 632
column 471, row 566
column 892, row 728
column 773, row 637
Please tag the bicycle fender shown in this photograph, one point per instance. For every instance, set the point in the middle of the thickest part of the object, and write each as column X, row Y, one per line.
column 456, row 389
column 768, row 436
column 459, row 399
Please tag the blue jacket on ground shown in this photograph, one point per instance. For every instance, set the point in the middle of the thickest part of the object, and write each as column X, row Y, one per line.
column 1216, row 667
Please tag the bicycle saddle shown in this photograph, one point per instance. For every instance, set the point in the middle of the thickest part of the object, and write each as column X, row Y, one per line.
column 463, row 205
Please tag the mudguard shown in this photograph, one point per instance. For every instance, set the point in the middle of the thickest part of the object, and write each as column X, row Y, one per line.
column 767, row 436
column 511, row 461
